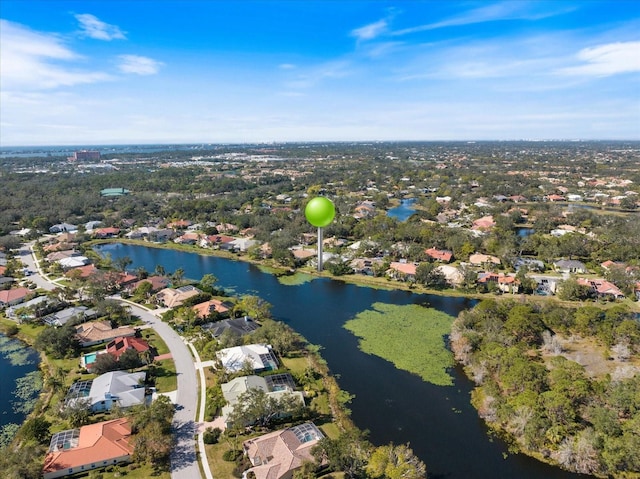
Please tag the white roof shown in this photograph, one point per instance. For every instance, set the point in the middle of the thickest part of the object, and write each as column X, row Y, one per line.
column 125, row 386
column 259, row 356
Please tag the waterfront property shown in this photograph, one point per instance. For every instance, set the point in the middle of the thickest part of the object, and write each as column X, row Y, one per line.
column 275, row 386
column 108, row 390
column 276, row 455
column 259, row 357
column 89, row 447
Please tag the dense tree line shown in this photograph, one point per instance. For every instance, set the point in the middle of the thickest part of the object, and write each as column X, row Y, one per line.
column 546, row 403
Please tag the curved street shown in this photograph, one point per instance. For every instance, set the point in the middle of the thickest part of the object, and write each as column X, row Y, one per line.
column 184, row 460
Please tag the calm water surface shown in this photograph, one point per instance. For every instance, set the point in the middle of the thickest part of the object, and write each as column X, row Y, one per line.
column 18, row 375
column 395, row 406
column 403, row 211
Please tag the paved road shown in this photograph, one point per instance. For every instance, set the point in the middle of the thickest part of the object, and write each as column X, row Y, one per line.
column 184, row 462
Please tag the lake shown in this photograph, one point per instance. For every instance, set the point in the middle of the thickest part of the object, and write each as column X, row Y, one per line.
column 395, row 406
column 403, row 211
column 20, row 383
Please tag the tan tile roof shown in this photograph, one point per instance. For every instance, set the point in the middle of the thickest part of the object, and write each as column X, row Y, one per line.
column 100, row 331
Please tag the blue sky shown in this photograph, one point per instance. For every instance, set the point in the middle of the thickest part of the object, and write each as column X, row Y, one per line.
column 107, row 72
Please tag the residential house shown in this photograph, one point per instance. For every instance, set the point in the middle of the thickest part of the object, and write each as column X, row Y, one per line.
column 547, row 285
column 11, row 297
column 115, row 388
column 242, row 244
column 82, row 272
column 402, row 271
column 61, row 318
column 479, row 259
column 237, row 326
column 97, row 332
column 602, row 288
column 171, row 298
column 62, row 228
column 483, row 224
column 203, row 310
column 570, row 266
column 452, row 274
column 365, row 265
column 259, row 357
column 366, row 209
column 89, row 447
column 554, row 198
column 157, row 283
column 505, row 283
column 275, row 386
column 29, row 309
column 439, row 254
column 118, row 346
column 74, row 262
column 217, row 242
column 109, row 232
column 276, row 455
column 188, row 238
column 179, row 224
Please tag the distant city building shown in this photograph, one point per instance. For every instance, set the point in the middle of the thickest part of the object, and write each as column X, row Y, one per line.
column 85, row 155
column 114, row 192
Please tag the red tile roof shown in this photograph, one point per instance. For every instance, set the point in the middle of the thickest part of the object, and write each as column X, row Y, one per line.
column 119, row 345
column 442, row 255
column 103, row 441
column 9, row 295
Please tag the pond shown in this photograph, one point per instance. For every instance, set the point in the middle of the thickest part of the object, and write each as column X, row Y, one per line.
column 403, row 211
column 395, row 406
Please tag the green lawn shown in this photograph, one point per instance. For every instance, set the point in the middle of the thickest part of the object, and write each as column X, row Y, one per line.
column 410, row 336
column 166, row 377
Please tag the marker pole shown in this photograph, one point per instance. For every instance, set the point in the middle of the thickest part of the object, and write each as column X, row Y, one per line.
column 319, row 249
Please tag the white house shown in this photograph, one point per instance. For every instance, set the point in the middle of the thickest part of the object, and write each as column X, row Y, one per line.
column 259, row 357
column 110, row 389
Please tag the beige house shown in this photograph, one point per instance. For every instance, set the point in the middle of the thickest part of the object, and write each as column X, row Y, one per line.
column 98, row 332
column 171, row 298
column 278, row 454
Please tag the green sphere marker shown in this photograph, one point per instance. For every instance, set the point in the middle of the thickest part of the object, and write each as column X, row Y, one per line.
column 320, row 211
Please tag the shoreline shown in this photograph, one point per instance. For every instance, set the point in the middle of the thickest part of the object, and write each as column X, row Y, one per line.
column 358, row 280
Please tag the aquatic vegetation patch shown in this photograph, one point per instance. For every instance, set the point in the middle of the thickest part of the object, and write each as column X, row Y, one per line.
column 295, row 279
column 16, row 352
column 7, row 433
column 26, row 392
column 412, row 337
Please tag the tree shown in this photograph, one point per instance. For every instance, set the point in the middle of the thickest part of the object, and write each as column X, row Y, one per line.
column 524, row 324
column 254, row 307
column 429, row 275
column 36, row 429
column 571, row 290
column 349, row 453
column 77, row 412
column 177, row 277
column 396, row 462
column 104, row 363
column 207, row 282
column 255, row 407
column 130, row 359
column 122, row 263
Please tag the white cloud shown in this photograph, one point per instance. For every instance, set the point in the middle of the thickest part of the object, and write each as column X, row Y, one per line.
column 92, row 27
column 138, row 64
column 370, row 31
column 509, row 10
column 606, row 60
column 286, row 66
column 31, row 60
